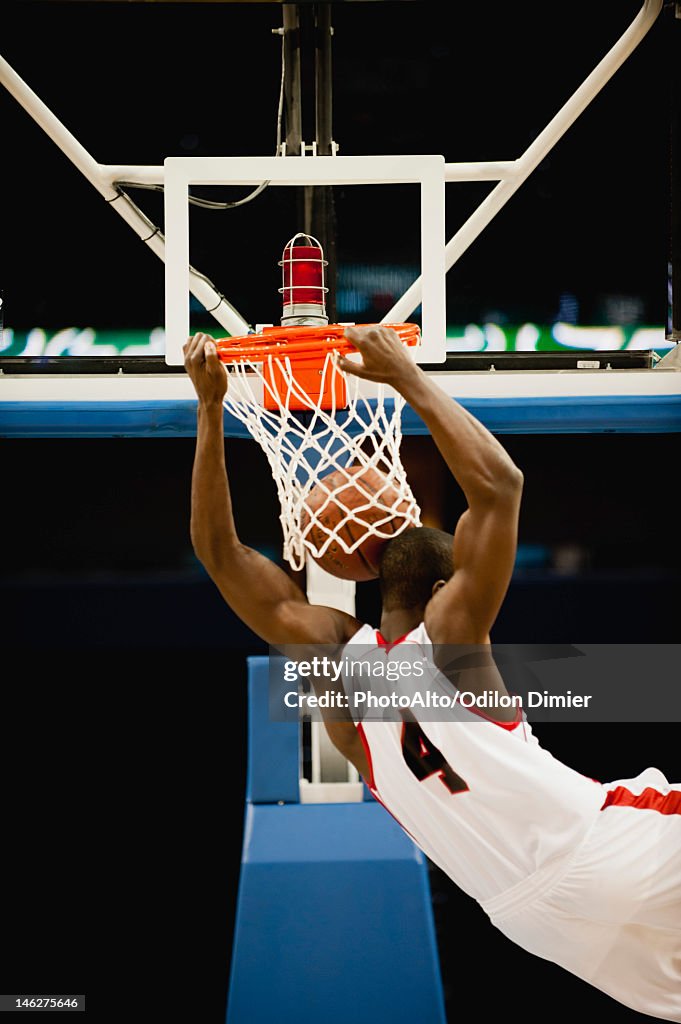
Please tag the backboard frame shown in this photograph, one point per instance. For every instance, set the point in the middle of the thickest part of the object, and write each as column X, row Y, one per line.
column 428, row 171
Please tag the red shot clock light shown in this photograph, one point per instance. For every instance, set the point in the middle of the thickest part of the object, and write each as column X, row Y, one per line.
column 303, row 291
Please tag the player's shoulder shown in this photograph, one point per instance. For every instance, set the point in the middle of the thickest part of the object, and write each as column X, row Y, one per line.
column 363, row 634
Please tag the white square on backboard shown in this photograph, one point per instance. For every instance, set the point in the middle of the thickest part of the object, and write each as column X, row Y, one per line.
column 428, row 171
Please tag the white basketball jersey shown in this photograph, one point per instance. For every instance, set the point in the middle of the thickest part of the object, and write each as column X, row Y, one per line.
column 520, row 808
column 585, row 874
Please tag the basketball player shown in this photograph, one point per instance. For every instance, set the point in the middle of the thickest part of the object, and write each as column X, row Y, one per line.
column 585, row 874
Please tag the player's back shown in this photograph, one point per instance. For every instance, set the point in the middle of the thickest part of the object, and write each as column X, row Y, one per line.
column 482, row 799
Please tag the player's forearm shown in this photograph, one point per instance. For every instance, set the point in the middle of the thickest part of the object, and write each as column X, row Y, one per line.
column 213, row 531
column 250, row 583
column 480, row 465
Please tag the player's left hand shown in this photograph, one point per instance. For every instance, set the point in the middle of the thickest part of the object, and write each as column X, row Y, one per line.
column 203, row 365
column 384, row 357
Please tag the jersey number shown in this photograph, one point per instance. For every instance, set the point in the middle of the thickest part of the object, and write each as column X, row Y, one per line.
column 424, row 759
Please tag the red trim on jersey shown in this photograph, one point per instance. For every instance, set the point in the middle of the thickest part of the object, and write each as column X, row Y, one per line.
column 382, row 642
column 371, row 781
column 648, row 800
column 510, row 726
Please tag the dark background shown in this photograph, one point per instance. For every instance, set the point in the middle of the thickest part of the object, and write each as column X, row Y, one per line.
column 123, row 710
column 136, row 82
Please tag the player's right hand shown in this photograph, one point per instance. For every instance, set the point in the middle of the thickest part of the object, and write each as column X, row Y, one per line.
column 384, row 357
column 203, row 365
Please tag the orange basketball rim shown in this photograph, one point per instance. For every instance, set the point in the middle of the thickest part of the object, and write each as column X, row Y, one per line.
column 299, row 355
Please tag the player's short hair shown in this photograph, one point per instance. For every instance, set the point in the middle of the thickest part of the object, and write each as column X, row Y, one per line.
column 411, row 564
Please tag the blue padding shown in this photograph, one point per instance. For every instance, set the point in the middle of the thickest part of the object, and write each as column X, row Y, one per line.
column 629, row 414
column 328, row 832
column 105, row 419
column 334, row 921
column 273, row 747
column 645, row 414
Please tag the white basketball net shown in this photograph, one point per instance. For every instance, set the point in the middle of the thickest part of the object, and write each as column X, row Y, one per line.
column 303, row 447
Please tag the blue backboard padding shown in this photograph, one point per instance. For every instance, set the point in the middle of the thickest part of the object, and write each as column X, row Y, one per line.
column 273, row 770
column 633, row 414
column 105, row 419
column 334, row 922
column 655, row 414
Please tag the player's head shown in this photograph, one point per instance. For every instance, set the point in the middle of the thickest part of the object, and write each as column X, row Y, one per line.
column 412, row 567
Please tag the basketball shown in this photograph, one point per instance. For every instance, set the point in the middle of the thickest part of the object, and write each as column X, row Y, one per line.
column 362, row 563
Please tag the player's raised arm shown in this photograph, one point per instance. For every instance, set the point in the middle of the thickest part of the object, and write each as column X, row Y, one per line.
column 257, row 590
column 485, row 540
